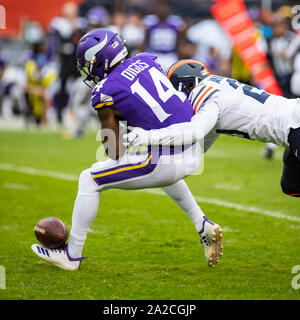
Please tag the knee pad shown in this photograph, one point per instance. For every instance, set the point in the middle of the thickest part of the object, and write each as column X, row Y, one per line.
column 86, row 184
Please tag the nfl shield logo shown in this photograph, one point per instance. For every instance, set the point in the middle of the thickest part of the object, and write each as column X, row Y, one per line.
column 115, row 44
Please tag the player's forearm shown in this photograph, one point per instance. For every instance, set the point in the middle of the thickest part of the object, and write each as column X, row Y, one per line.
column 187, row 132
column 175, row 135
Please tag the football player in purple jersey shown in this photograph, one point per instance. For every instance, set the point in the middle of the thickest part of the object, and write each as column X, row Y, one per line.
column 138, row 91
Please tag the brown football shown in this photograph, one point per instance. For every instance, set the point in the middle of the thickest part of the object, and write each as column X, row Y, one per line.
column 51, row 232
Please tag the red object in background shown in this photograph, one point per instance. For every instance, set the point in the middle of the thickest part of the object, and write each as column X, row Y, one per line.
column 233, row 17
column 34, row 10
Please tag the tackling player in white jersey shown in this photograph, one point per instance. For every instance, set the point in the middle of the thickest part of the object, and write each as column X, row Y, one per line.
column 226, row 106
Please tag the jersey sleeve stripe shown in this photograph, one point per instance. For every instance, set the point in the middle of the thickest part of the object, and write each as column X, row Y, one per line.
column 212, row 93
column 100, row 105
column 197, row 95
column 200, row 98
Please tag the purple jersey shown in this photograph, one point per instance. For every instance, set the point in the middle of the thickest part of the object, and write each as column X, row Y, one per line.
column 143, row 94
column 163, row 34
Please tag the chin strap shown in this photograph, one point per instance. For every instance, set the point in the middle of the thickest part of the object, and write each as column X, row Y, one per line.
column 91, row 64
column 105, row 68
column 180, row 86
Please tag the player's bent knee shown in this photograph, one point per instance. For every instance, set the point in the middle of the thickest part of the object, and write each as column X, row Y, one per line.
column 87, row 184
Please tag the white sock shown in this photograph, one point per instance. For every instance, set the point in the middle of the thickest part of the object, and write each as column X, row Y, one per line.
column 181, row 194
column 84, row 213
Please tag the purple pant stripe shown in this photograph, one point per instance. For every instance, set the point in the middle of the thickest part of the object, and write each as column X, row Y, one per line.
column 129, row 174
column 120, row 167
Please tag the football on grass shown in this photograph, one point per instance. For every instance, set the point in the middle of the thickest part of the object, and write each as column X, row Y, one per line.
column 51, row 232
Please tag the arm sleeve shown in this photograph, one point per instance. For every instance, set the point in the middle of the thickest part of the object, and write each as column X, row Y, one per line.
column 187, row 132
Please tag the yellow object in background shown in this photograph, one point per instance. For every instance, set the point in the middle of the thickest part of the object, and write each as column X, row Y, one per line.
column 38, row 80
column 239, row 70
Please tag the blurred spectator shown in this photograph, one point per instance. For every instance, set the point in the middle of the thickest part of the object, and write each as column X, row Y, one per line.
column 134, row 33
column 117, row 22
column 2, row 85
column 97, row 17
column 39, row 84
column 295, row 81
column 33, row 32
column 86, row 5
column 187, row 49
column 293, row 52
column 12, row 99
column 164, row 34
column 213, row 60
column 65, row 32
column 4, row 56
column 285, row 12
column 212, row 44
column 82, row 111
column 282, row 64
column 266, row 20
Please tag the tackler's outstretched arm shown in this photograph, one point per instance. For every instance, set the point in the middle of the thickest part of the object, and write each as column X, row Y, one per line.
column 177, row 134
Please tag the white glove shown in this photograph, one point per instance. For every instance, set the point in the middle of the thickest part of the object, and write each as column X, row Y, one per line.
column 136, row 138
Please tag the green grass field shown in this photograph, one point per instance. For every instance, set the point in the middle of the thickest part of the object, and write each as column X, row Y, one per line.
column 141, row 246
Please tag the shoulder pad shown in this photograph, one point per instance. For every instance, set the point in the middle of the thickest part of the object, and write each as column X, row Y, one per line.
column 147, row 55
column 99, row 98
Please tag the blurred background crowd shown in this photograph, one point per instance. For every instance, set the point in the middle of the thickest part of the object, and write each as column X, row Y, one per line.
column 40, row 85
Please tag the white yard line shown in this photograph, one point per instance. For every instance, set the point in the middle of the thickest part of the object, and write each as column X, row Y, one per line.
column 227, row 186
column 16, row 186
column 38, row 172
column 236, row 206
column 213, row 201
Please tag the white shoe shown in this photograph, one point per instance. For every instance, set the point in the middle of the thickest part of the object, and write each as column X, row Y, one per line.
column 211, row 239
column 59, row 257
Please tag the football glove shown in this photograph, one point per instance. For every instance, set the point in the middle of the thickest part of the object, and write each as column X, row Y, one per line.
column 136, row 138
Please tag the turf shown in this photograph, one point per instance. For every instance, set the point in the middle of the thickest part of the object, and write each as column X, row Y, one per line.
column 141, row 245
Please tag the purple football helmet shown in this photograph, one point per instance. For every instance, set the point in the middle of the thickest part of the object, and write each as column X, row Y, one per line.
column 97, row 52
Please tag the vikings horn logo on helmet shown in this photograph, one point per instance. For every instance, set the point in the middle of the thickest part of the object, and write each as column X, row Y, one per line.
column 91, row 52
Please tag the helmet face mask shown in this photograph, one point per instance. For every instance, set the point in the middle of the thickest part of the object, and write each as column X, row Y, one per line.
column 187, row 84
column 89, row 79
column 185, row 75
column 97, row 52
